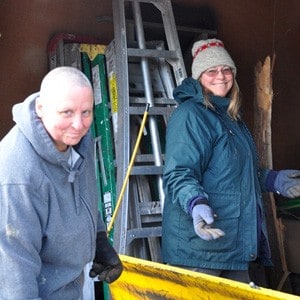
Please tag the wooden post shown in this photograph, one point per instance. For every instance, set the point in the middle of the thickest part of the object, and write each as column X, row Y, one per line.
column 262, row 136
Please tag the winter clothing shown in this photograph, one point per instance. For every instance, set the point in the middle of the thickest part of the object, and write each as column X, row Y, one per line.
column 202, row 219
column 210, row 53
column 107, row 265
column 210, row 156
column 48, row 212
column 287, row 183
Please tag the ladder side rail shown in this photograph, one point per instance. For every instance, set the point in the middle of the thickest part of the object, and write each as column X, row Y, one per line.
column 168, row 82
column 134, row 52
column 123, row 133
column 140, row 193
column 134, row 215
column 149, row 95
column 165, row 7
column 166, row 74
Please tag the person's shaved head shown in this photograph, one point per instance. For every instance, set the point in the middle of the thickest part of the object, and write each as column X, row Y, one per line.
column 63, row 78
column 65, row 105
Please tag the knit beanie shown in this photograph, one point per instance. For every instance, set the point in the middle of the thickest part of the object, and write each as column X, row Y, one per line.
column 207, row 54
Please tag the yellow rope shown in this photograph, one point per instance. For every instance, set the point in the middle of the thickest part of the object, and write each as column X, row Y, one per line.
column 136, row 146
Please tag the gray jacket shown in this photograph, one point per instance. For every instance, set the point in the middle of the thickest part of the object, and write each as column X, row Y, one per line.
column 48, row 212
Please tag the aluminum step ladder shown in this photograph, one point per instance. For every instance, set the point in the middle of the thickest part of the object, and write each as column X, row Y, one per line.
column 137, row 227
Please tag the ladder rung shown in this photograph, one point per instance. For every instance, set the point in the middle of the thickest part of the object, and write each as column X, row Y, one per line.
column 151, row 219
column 167, row 54
column 139, row 233
column 147, row 170
column 146, row 158
column 139, row 110
column 157, row 101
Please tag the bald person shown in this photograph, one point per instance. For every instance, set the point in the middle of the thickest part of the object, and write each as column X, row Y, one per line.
column 50, row 226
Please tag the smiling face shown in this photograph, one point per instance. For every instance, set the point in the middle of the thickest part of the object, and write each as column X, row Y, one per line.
column 217, row 80
column 67, row 113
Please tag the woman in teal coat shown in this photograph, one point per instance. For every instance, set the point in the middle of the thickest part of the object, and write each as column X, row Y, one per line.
column 213, row 218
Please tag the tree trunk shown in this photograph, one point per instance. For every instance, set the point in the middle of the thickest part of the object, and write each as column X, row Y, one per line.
column 262, row 136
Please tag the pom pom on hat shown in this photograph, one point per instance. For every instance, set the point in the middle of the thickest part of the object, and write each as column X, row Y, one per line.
column 207, row 54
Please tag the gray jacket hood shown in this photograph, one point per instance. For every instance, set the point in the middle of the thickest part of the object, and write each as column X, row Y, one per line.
column 37, row 135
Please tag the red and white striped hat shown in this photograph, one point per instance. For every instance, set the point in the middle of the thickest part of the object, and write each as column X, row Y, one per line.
column 208, row 54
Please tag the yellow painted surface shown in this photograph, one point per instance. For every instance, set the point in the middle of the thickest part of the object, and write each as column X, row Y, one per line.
column 143, row 280
column 92, row 50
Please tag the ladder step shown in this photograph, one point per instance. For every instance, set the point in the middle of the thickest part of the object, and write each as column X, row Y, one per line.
column 151, row 53
column 147, row 170
column 145, row 158
column 138, row 233
column 139, row 110
column 157, row 101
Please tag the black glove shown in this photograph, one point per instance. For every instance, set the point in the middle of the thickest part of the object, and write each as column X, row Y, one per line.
column 107, row 264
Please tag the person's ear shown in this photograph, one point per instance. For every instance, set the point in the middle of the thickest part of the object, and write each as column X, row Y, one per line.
column 39, row 107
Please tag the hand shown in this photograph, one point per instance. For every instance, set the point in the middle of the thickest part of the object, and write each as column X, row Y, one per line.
column 107, row 264
column 202, row 219
column 287, row 183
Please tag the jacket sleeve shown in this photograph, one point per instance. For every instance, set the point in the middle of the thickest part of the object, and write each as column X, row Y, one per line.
column 20, row 243
column 100, row 223
column 266, row 179
column 187, row 154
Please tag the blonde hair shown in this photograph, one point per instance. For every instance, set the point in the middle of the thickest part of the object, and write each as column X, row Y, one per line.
column 235, row 101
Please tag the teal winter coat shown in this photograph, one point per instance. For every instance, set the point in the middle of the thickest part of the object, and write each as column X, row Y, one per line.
column 212, row 156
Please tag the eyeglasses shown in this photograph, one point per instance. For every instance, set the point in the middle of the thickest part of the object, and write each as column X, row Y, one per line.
column 226, row 71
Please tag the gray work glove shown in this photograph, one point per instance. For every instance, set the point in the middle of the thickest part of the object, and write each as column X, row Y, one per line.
column 203, row 219
column 287, row 183
column 107, row 264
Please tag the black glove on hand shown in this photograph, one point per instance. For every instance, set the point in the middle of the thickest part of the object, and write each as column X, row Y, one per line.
column 107, row 264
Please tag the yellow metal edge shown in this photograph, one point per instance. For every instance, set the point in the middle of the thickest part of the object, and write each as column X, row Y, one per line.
column 142, row 279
